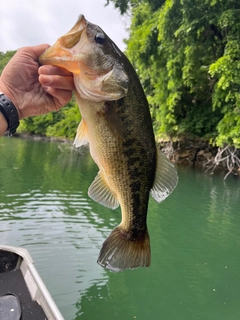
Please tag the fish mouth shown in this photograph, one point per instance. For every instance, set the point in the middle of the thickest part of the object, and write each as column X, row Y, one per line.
column 62, row 53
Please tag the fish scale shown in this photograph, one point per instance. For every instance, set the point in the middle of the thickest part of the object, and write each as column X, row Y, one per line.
column 116, row 123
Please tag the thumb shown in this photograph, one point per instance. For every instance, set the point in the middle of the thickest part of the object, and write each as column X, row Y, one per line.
column 36, row 51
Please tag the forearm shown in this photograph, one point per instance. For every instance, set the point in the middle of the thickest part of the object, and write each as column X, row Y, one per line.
column 3, row 124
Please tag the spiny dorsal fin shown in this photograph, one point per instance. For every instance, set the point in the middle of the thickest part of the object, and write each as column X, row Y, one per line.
column 99, row 191
column 166, row 178
column 81, row 136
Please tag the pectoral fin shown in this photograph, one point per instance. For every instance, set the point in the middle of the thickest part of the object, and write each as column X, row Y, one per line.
column 81, row 136
column 166, row 178
column 99, row 191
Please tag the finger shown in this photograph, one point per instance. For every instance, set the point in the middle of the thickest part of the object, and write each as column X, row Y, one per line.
column 35, row 51
column 57, row 82
column 62, row 97
column 53, row 70
column 38, row 50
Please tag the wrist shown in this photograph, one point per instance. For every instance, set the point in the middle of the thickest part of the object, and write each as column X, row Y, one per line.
column 9, row 112
column 3, row 124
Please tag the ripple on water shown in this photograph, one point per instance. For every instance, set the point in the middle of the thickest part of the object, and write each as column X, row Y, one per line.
column 194, row 237
column 63, row 242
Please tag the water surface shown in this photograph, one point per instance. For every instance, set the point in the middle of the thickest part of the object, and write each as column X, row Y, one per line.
column 195, row 238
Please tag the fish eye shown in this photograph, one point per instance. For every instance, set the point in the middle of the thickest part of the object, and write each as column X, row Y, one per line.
column 100, row 38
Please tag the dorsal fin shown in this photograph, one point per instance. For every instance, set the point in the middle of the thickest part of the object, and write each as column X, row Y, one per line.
column 81, row 136
column 166, row 178
column 99, row 191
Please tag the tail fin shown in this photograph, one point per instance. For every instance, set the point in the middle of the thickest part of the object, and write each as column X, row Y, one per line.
column 119, row 253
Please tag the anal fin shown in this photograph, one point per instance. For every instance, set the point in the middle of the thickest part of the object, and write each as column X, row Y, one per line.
column 166, row 178
column 100, row 192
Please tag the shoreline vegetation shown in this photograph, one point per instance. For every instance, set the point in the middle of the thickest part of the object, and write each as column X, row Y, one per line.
column 186, row 55
column 188, row 152
column 199, row 153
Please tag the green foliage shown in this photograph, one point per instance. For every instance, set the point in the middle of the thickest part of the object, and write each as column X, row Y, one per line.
column 67, row 126
column 4, row 58
column 229, row 129
column 55, row 124
column 125, row 5
column 186, row 53
column 122, row 5
column 40, row 124
column 226, row 96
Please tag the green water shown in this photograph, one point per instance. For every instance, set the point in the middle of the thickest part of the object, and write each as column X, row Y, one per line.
column 195, row 238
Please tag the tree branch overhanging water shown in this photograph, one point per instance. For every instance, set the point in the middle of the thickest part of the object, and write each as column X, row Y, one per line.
column 228, row 157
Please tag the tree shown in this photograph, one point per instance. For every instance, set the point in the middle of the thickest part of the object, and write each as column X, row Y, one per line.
column 187, row 56
column 4, row 58
column 62, row 124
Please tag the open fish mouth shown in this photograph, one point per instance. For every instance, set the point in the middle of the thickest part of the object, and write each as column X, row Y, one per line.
column 62, row 53
column 84, row 51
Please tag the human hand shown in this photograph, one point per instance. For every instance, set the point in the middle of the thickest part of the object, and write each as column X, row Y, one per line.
column 35, row 90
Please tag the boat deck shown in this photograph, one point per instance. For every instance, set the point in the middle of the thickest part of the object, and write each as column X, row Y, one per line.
column 12, row 282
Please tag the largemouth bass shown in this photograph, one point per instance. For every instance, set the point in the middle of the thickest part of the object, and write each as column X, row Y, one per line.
column 116, row 123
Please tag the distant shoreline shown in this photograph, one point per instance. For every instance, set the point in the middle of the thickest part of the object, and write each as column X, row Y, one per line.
column 189, row 152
